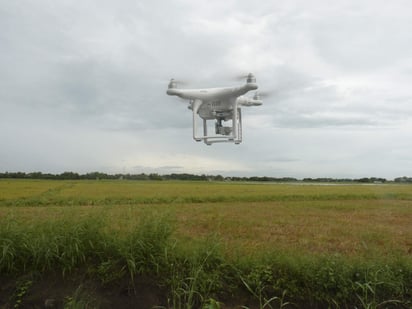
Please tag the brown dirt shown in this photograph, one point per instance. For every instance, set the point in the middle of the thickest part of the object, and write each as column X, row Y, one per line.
column 54, row 291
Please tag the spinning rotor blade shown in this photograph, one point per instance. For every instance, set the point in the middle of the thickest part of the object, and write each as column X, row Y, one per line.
column 179, row 82
column 264, row 94
column 241, row 77
column 173, row 83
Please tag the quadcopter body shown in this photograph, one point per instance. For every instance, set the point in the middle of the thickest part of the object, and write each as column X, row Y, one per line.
column 220, row 105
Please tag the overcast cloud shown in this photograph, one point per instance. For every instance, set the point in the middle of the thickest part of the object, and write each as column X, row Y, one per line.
column 83, row 86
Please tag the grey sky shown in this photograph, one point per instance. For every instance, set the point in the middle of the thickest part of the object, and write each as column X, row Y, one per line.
column 83, row 86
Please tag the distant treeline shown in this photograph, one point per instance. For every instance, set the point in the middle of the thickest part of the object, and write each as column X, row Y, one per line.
column 185, row 176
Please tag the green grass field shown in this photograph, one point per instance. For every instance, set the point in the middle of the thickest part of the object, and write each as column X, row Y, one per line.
column 208, row 244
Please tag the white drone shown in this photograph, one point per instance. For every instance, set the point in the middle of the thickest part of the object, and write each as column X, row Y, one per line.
column 218, row 104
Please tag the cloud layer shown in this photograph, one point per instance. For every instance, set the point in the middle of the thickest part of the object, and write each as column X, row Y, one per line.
column 83, row 86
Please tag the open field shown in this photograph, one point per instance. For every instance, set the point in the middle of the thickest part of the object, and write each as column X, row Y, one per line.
column 345, row 219
column 273, row 235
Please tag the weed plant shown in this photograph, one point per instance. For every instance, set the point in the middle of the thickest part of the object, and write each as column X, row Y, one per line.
column 199, row 275
column 195, row 275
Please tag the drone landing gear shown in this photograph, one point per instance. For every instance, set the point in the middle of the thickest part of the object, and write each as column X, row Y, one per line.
column 223, row 134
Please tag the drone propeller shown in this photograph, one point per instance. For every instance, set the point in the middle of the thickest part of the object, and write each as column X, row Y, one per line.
column 262, row 94
column 241, row 77
column 174, row 83
column 179, row 81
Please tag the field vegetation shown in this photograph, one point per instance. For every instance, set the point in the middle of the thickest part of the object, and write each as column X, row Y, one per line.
column 178, row 244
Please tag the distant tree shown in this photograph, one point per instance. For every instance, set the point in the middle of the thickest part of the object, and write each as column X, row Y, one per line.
column 69, row 175
column 155, row 176
column 35, row 175
column 403, row 179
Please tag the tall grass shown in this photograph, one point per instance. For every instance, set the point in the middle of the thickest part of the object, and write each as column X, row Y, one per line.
column 143, row 248
column 199, row 275
column 57, row 245
column 195, row 275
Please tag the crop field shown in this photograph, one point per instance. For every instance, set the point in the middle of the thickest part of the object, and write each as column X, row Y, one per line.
column 178, row 244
